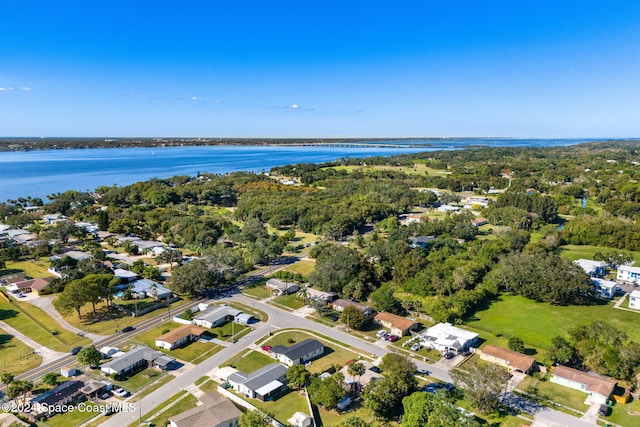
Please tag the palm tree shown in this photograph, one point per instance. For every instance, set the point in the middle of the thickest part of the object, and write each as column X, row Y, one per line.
column 356, row 369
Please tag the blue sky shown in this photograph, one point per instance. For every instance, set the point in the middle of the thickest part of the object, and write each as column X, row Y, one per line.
column 320, row 68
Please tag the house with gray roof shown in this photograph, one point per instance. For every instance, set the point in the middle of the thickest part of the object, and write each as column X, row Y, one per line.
column 139, row 358
column 215, row 316
column 298, row 353
column 281, row 287
column 215, row 411
column 263, row 384
column 145, row 288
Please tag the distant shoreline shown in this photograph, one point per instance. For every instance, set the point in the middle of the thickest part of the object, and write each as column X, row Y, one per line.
column 14, row 144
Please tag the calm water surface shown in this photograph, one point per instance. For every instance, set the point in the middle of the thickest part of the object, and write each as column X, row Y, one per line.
column 40, row 173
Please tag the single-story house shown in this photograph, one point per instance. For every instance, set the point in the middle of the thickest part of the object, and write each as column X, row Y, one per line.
column 627, row 273
column 634, row 300
column 315, row 294
column 479, row 221
column 445, row 337
column 96, row 389
column 215, row 411
column 591, row 267
column 468, row 202
column 27, row 238
column 243, row 318
column 51, row 219
column 107, row 352
column 144, row 288
column 65, row 393
column 29, row 285
column 598, row 387
column 179, row 336
column 298, row 353
column 397, row 325
column 125, row 276
column 263, row 384
column 89, row 227
column 448, row 208
column 512, row 360
column 300, row 419
column 340, row 304
column 280, row 287
column 138, row 358
column 151, row 247
column 77, row 255
column 421, row 241
column 605, row 288
column 215, row 316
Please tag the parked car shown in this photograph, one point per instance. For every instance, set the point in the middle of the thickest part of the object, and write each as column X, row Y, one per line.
column 416, row 347
column 604, row 410
column 266, row 348
column 128, row 329
column 393, row 338
column 431, row 388
column 120, row 392
column 381, row 333
column 75, row 350
column 21, row 295
column 384, row 336
column 449, row 355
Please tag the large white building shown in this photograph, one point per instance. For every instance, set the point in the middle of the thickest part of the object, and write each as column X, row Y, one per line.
column 634, row 300
column 627, row 273
column 445, row 337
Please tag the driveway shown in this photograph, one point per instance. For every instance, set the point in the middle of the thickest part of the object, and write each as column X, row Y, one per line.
column 45, row 303
column 47, row 354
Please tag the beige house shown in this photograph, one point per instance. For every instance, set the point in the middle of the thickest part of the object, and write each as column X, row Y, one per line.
column 510, row 359
column 215, row 411
column 179, row 336
column 598, row 387
column 397, row 325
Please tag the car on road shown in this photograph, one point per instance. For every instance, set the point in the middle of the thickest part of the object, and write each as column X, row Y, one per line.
column 128, row 329
column 120, row 392
column 75, row 350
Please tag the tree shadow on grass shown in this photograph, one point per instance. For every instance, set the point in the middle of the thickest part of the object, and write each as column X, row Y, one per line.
column 4, row 339
column 7, row 314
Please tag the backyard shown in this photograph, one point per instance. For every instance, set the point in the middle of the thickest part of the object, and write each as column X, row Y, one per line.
column 173, row 406
column 73, row 418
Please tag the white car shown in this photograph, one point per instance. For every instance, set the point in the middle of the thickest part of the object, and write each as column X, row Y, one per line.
column 120, row 392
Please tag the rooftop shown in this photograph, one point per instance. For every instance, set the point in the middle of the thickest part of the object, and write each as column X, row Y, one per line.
column 214, row 411
column 299, row 349
column 513, row 358
column 594, row 382
column 181, row 332
column 399, row 322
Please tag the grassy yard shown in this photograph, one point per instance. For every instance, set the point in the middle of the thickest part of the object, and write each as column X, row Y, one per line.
column 627, row 414
column 284, row 406
column 556, row 393
column 38, row 325
column 249, row 362
column 32, row 268
column 15, row 356
column 333, row 354
column 140, row 379
column 75, row 417
column 259, row 292
column 187, row 353
column 174, row 406
column 574, row 252
column 291, row 301
column 304, row 267
column 208, row 386
column 537, row 323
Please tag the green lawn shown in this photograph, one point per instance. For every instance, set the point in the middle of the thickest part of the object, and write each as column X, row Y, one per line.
column 625, row 415
column 32, row 268
column 304, row 267
column 574, row 252
column 208, row 386
column 15, row 356
column 556, row 393
column 156, row 385
column 537, row 323
column 76, row 417
column 284, row 406
column 249, row 362
column 228, row 331
column 140, row 379
column 188, row 352
column 291, row 301
column 174, row 406
column 38, row 325
column 259, row 292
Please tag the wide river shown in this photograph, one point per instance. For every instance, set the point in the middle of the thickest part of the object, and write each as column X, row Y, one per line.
column 40, row 173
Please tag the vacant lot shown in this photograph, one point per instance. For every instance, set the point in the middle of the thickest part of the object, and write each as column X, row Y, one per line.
column 32, row 268
column 292, row 301
column 15, row 356
column 574, row 252
column 249, row 362
column 304, row 267
column 536, row 323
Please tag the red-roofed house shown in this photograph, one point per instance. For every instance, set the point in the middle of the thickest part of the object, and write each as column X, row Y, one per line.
column 397, row 325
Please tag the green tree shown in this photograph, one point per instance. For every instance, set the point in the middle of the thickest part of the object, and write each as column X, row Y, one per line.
column 19, row 388
column 353, row 318
column 50, row 378
column 254, row 419
column 6, row 378
column 356, row 369
column 192, row 278
column 354, row 421
column 89, row 356
column 516, row 344
column 326, row 393
column 562, row 352
column 482, row 384
column 384, row 300
column 432, row 410
column 74, row 297
column 298, row 376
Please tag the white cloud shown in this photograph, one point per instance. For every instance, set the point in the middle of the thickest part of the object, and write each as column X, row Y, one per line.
column 294, row 106
column 5, row 89
column 196, row 98
column 25, row 88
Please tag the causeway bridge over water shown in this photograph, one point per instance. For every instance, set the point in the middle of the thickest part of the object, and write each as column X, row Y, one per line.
column 347, row 145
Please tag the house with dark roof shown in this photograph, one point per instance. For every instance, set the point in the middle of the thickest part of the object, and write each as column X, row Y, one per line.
column 139, row 358
column 512, row 360
column 215, row 316
column 598, row 387
column 340, row 304
column 262, row 384
column 397, row 325
column 179, row 336
column 66, row 393
column 215, row 411
column 298, row 353
column 281, row 287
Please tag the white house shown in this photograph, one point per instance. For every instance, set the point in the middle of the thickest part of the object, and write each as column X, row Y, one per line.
column 280, row 287
column 215, row 316
column 598, row 387
column 179, row 336
column 262, row 384
column 140, row 357
column 591, row 267
column 445, row 337
column 627, row 273
column 634, row 300
column 298, row 353
column 605, row 288
column 300, row 419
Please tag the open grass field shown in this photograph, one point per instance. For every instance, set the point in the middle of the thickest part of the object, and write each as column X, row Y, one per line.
column 170, row 407
column 291, row 301
column 258, row 292
column 537, row 323
column 74, row 418
column 32, row 268
column 15, row 356
column 187, row 353
column 249, row 362
column 416, row 169
column 304, row 267
column 563, row 395
column 574, row 252
column 38, row 325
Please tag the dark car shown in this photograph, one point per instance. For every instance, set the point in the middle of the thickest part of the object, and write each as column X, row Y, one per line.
column 128, row 329
column 449, row 355
column 75, row 350
column 393, row 338
column 604, row 410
